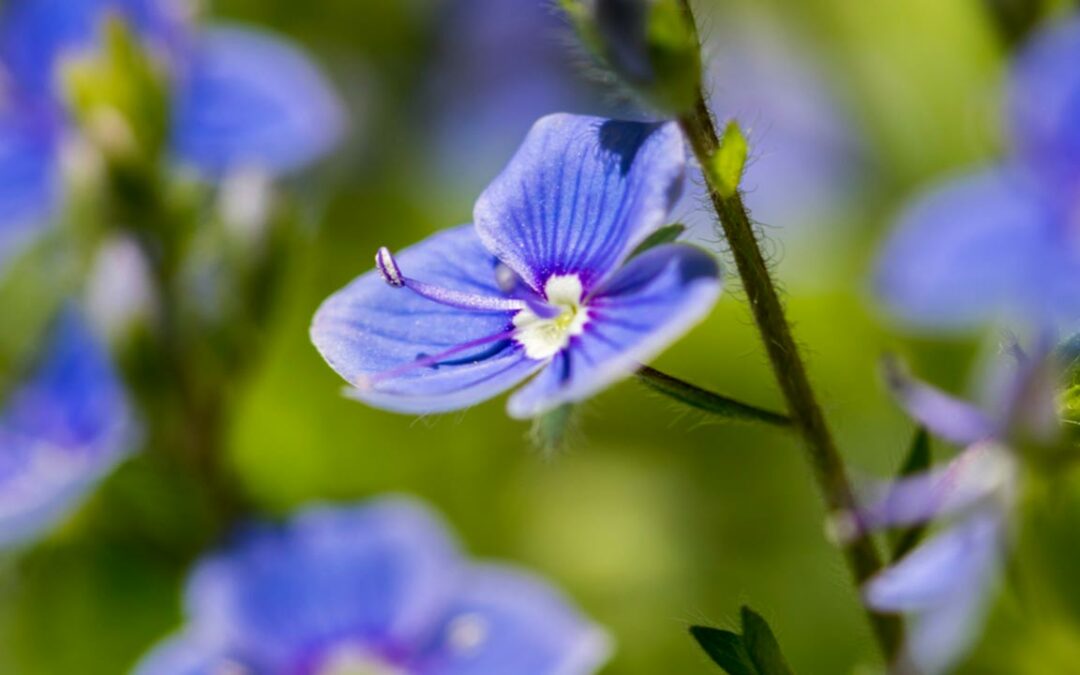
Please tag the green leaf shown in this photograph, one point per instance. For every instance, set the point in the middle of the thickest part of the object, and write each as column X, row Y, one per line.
column 762, row 645
column 726, row 649
column 755, row 652
column 729, row 160
column 665, row 235
column 707, row 401
column 917, row 461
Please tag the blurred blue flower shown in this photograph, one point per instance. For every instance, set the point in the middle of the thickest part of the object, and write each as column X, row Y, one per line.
column 378, row 589
column 1002, row 242
column 537, row 285
column 946, row 582
column 61, row 431
column 241, row 98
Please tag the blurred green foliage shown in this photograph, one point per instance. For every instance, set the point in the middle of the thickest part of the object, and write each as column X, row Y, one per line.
column 652, row 517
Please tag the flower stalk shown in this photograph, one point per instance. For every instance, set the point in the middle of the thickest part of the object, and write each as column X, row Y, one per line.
column 706, row 401
column 806, row 414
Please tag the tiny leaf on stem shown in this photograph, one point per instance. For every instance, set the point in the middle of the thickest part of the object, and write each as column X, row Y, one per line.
column 729, row 160
column 755, row 652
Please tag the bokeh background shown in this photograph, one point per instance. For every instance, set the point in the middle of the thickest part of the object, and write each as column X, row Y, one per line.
column 651, row 517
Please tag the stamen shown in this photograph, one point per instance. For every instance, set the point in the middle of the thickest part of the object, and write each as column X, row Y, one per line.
column 391, row 273
column 368, row 382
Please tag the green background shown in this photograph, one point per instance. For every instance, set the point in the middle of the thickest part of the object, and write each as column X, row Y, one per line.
column 652, row 518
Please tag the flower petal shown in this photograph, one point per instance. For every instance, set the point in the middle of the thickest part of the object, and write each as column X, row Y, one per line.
column 1044, row 104
column 29, row 184
column 60, row 433
column 382, row 572
column 579, row 194
column 252, row 100
column 943, row 415
column 370, row 327
column 508, row 621
column 979, row 472
column 184, row 655
column 634, row 315
column 944, row 569
column 34, row 34
column 975, row 249
column 946, row 583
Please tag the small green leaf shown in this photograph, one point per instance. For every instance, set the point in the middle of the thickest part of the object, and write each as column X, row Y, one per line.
column 729, row 160
column 760, row 642
column 707, row 401
column 726, row 649
column 918, row 460
column 665, row 235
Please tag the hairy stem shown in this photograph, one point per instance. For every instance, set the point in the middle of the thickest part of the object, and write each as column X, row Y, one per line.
column 806, row 415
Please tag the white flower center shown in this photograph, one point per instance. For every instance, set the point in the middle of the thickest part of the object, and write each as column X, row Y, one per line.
column 355, row 660
column 543, row 337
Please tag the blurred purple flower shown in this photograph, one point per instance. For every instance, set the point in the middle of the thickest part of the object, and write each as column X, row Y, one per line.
column 540, row 284
column 809, row 163
column 242, row 100
column 61, row 431
column 378, row 589
column 1002, row 242
column 946, row 582
column 497, row 66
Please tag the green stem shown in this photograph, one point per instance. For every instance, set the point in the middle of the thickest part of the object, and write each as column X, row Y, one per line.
column 806, row 415
column 707, row 401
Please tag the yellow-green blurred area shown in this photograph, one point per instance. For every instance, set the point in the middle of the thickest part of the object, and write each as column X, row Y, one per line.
column 653, row 518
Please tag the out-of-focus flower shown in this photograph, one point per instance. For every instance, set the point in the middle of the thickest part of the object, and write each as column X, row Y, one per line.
column 476, row 108
column 946, row 582
column 1002, row 242
column 809, row 162
column 60, row 432
column 540, row 284
column 240, row 99
column 378, row 589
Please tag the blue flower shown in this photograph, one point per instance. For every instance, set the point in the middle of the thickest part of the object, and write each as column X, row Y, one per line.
column 946, row 582
column 241, row 98
column 541, row 283
column 61, row 431
column 1002, row 241
column 378, row 589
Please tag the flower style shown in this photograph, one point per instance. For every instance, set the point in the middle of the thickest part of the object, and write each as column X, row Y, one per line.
column 1003, row 241
column 377, row 589
column 945, row 583
column 544, row 282
column 241, row 99
column 60, row 432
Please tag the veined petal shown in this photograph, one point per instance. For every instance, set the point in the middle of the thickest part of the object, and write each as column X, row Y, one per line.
column 944, row 569
column 34, row 34
column 29, row 184
column 380, row 573
column 252, row 100
column 370, row 329
column 633, row 316
column 579, row 194
column 184, row 655
column 60, row 433
column 1044, row 104
column 508, row 621
column 975, row 249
